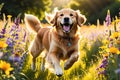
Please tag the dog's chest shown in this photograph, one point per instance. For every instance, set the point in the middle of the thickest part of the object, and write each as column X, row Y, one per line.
column 67, row 48
column 67, row 43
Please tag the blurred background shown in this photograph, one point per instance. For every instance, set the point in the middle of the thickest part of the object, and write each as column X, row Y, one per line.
column 92, row 9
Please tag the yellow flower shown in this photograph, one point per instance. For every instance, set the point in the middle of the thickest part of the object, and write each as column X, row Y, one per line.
column 106, row 41
column 115, row 35
column 3, row 44
column 103, row 47
column 113, row 50
column 9, row 16
column 93, row 26
column 105, row 55
column 5, row 67
column 118, row 41
column 108, row 12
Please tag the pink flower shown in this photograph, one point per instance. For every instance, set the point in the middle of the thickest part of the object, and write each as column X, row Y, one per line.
column 108, row 18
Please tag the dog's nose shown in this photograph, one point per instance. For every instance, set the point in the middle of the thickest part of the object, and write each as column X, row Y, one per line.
column 59, row 75
column 66, row 19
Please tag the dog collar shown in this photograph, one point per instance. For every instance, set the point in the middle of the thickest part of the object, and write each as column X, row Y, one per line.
column 68, row 39
column 69, row 44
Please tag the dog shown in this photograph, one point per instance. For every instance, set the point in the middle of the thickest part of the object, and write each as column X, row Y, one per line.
column 59, row 41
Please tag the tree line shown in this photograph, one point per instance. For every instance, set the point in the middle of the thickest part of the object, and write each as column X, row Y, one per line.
column 93, row 9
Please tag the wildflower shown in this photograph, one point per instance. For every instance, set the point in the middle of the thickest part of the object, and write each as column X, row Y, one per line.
column 102, row 68
column 110, row 39
column 3, row 31
column 105, row 55
column 15, row 57
column 117, row 71
column 111, row 44
column 118, row 41
column 5, row 67
column 106, row 41
column 9, row 16
column 113, row 50
column 102, row 72
column 119, row 49
column 104, row 63
column 108, row 18
column 17, row 21
column 2, row 36
column 103, row 47
column 12, row 28
column 10, row 42
column 3, row 44
column 22, row 60
column 115, row 35
column 24, row 36
column 93, row 26
column 16, row 36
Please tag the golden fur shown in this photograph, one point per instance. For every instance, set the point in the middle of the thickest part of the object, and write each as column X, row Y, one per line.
column 59, row 41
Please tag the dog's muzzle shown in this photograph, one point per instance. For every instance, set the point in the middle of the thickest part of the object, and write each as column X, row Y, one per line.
column 66, row 24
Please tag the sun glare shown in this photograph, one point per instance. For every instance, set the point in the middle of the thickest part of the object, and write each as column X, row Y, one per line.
column 60, row 3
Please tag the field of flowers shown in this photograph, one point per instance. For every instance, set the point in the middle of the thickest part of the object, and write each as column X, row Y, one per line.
column 99, row 53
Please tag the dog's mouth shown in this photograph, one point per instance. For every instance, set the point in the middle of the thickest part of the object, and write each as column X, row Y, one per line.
column 66, row 27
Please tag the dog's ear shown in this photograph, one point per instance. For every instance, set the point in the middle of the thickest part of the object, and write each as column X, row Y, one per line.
column 48, row 17
column 54, row 20
column 81, row 19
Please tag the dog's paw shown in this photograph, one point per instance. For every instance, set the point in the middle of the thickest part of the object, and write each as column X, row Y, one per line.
column 59, row 72
column 67, row 65
column 42, row 67
column 33, row 67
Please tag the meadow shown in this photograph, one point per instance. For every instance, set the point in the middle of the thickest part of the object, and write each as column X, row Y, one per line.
column 99, row 53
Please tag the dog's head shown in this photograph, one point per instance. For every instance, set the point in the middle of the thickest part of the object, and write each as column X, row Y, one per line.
column 66, row 20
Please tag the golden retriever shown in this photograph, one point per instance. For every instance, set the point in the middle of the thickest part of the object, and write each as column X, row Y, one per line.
column 60, row 41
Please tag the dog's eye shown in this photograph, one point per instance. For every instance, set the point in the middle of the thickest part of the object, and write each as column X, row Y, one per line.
column 61, row 14
column 71, row 14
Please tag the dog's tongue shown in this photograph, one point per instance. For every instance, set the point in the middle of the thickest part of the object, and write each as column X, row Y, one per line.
column 66, row 28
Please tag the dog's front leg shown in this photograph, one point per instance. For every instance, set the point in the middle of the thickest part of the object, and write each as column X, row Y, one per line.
column 52, row 58
column 73, row 58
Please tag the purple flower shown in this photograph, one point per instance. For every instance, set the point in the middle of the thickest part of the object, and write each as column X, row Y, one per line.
column 104, row 61
column 24, row 36
column 102, row 65
column 11, row 58
column 10, row 42
column 108, row 18
column 102, row 72
column 2, row 36
column 21, row 62
column 119, row 48
column 13, row 28
column 3, row 31
column 16, row 36
column 16, row 58
column 117, row 71
column 17, row 21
